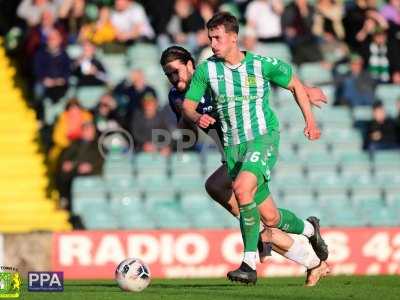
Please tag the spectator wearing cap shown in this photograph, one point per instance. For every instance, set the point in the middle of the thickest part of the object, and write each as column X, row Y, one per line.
column 381, row 133
column 143, row 125
column 80, row 158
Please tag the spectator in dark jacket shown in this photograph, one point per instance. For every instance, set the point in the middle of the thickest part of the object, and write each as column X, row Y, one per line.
column 382, row 133
column 52, row 69
column 129, row 94
column 297, row 23
column 81, row 158
column 143, row 125
column 88, row 69
column 357, row 87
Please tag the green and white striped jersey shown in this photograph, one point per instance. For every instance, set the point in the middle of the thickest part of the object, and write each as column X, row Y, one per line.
column 241, row 94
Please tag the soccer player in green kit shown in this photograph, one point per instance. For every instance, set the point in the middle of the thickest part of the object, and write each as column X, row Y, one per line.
column 240, row 84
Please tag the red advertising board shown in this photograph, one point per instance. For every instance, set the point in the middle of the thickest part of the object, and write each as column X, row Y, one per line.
column 212, row 253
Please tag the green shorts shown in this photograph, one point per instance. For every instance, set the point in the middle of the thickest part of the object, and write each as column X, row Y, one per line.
column 258, row 157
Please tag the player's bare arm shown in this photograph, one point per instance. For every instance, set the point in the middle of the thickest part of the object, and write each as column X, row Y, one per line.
column 311, row 131
column 190, row 114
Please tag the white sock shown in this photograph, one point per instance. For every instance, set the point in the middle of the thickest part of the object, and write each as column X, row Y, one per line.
column 302, row 253
column 250, row 259
column 308, row 229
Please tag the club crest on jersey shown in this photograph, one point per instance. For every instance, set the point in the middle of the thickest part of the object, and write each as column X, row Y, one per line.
column 251, row 80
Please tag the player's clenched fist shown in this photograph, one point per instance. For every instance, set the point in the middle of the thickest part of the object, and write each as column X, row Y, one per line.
column 205, row 120
column 312, row 132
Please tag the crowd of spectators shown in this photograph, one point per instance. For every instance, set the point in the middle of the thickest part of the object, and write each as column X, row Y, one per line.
column 361, row 37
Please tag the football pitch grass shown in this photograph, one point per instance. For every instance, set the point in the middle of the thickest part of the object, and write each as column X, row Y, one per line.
column 340, row 287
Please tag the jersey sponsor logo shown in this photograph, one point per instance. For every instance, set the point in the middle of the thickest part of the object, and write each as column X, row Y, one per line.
column 224, row 98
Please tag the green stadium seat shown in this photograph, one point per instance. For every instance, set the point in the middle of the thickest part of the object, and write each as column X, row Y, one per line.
column 89, row 96
column 131, row 202
column 334, row 202
column 326, row 193
column 355, row 165
column 137, row 221
column 170, row 217
column 196, row 202
column 188, row 185
column 156, row 197
column 140, row 54
column 389, row 94
column 130, row 212
column 122, row 185
column 112, row 60
column 207, row 219
column 362, row 113
column 383, row 216
column 149, row 160
column 74, row 51
column 337, row 117
column 330, row 180
column 340, row 135
column 343, row 218
column 212, row 159
column 88, row 186
column 276, row 50
column 316, row 150
column 314, row 73
column 363, row 192
column 387, row 158
column 388, row 91
column 99, row 219
column 83, row 203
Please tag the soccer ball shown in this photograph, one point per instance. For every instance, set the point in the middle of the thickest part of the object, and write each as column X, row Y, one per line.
column 133, row 275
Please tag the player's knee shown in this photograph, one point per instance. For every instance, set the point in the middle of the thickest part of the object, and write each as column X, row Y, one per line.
column 242, row 192
column 271, row 218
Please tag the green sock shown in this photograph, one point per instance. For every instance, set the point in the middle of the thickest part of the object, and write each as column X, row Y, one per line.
column 289, row 222
column 249, row 226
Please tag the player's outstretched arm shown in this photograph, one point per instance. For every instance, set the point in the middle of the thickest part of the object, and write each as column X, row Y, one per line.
column 311, row 130
column 190, row 114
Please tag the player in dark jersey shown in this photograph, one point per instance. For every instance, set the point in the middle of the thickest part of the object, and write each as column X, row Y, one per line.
column 178, row 66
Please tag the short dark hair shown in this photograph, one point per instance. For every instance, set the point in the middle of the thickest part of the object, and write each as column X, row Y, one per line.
column 176, row 53
column 72, row 102
column 225, row 19
column 377, row 104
